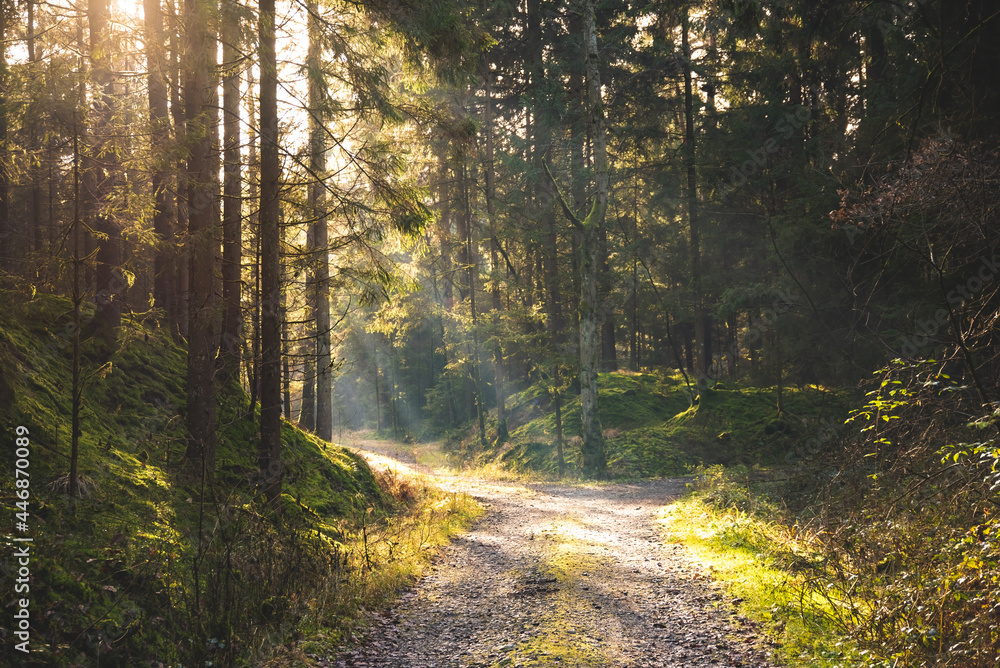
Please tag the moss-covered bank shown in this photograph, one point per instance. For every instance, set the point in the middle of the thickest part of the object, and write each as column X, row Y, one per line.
column 652, row 427
column 151, row 563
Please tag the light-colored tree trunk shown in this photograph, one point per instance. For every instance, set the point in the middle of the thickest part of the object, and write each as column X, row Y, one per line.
column 490, row 195
column 320, row 235
column 594, row 456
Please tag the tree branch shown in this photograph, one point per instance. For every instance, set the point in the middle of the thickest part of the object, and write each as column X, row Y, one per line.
column 562, row 200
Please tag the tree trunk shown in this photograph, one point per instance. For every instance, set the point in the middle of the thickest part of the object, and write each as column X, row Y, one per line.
column 307, row 407
column 34, row 173
column 77, row 389
column 700, row 358
column 609, row 352
column 103, row 169
column 181, row 276
column 593, row 453
column 201, row 240
column 270, row 326
column 321, row 261
column 253, row 176
column 490, row 194
column 159, row 119
column 228, row 360
column 472, row 266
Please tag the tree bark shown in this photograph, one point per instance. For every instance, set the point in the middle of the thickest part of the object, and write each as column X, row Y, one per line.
column 490, row 195
column 34, row 173
column 700, row 361
column 472, row 267
column 270, row 238
column 103, row 168
column 609, row 352
column 228, row 360
column 321, row 261
column 181, row 275
column 159, row 120
column 202, row 207
column 593, row 452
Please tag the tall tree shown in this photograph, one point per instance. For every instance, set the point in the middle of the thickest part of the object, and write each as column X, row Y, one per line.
column 270, row 260
column 104, row 171
column 202, row 207
column 489, row 173
column 594, row 456
column 232, row 196
column 700, row 361
column 320, row 233
column 164, row 275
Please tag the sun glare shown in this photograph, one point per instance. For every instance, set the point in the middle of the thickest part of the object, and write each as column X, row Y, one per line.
column 131, row 10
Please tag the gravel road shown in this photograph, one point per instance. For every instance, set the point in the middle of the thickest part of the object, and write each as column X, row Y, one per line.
column 560, row 575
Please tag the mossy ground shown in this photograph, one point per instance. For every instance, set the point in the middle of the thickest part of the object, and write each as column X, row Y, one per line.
column 653, row 428
column 154, row 564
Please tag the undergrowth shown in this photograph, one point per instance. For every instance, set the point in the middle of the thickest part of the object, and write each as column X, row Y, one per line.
column 382, row 554
column 907, row 523
column 887, row 537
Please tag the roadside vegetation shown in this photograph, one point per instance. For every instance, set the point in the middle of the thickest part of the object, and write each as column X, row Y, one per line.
column 881, row 549
column 859, row 529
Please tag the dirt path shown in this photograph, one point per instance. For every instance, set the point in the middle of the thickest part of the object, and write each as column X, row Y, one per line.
column 560, row 575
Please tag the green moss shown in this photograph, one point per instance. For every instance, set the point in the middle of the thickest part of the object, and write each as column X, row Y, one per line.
column 150, row 565
column 652, row 427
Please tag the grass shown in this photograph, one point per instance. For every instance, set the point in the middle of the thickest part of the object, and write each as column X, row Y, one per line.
column 762, row 562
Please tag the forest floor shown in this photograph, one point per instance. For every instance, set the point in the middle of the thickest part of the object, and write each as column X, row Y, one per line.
column 557, row 575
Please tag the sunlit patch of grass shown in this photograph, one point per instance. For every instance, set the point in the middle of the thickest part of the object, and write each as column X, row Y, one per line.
column 496, row 470
column 755, row 561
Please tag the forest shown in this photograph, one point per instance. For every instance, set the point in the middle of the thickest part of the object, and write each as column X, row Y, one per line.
column 754, row 242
